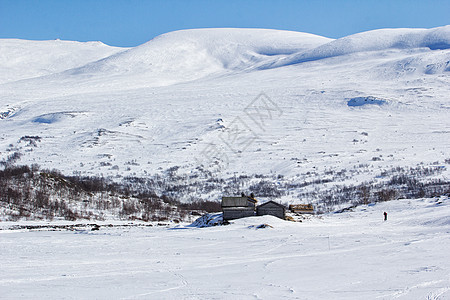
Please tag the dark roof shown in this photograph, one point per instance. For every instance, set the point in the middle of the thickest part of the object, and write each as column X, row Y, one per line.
column 273, row 202
column 237, row 201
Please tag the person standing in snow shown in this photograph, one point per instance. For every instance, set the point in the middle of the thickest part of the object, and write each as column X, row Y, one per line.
column 385, row 216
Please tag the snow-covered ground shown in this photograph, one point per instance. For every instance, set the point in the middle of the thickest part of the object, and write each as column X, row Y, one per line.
column 352, row 255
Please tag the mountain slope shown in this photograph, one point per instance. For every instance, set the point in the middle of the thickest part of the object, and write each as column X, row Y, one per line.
column 376, row 40
column 368, row 104
column 187, row 55
column 22, row 59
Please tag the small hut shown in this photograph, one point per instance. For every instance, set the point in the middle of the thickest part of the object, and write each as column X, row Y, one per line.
column 271, row 208
column 238, row 207
column 302, row 208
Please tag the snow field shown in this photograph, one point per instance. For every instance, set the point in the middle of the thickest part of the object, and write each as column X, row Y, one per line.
column 352, row 255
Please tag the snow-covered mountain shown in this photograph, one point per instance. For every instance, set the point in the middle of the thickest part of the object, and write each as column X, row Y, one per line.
column 234, row 101
column 376, row 40
column 192, row 54
column 22, row 59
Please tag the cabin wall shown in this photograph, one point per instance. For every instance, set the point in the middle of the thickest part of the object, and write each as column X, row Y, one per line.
column 276, row 211
column 231, row 214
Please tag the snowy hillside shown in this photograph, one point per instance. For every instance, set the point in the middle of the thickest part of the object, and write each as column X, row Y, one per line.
column 299, row 113
column 377, row 40
column 22, row 59
column 353, row 255
column 191, row 54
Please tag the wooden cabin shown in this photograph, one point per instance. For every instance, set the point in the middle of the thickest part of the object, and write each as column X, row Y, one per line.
column 238, row 207
column 271, row 208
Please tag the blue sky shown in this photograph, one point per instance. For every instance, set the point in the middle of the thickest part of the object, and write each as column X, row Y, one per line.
column 133, row 22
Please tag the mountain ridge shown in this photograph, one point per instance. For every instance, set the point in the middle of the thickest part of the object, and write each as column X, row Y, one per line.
column 187, row 55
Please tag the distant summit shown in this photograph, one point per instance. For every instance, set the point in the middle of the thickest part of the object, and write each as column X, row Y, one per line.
column 24, row 59
column 375, row 40
column 187, row 55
